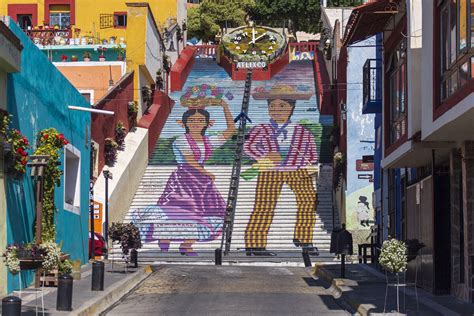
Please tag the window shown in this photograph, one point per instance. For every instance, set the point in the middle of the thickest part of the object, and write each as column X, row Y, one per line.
column 456, row 37
column 120, row 19
column 72, row 179
column 397, row 76
column 24, row 21
column 88, row 95
column 60, row 15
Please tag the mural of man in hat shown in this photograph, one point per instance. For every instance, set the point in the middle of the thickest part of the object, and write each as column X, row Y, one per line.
column 286, row 154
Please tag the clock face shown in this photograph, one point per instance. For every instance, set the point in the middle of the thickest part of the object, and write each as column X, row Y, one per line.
column 253, row 44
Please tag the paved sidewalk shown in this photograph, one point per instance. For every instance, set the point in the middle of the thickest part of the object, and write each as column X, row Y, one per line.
column 86, row 302
column 364, row 290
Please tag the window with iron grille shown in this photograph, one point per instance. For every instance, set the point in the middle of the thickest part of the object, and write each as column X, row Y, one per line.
column 106, row 21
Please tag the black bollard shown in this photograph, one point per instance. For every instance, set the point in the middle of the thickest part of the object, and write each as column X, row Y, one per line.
column 218, row 256
column 11, row 306
column 98, row 268
column 343, row 266
column 134, row 257
column 64, row 297
column 306, row 259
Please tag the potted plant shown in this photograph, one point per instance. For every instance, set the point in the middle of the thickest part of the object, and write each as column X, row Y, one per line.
column 102, row 51
column 22, row 257
column 74, row 58
column 16, row 157
column 4, row 122
column 166, row 64
column 132, row 113
column 128, row 235
column 120, row 133
column 54, row 259
column 159, row 82
column 339, row 166
column 86, row 56
column 146, row 96
column 393, row 258
column 120, row 50
column 110, row 149
column 63, row 57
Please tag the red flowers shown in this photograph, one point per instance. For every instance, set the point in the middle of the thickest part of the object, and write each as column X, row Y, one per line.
column 22, row 152
column 61, row 138
column 17, row 157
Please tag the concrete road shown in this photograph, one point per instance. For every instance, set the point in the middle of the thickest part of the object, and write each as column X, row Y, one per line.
column 227, row 290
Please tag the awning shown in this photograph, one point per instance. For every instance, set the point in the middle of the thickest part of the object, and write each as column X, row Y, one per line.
column 369, row 19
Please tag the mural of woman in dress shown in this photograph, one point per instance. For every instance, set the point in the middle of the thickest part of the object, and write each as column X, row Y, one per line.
column 190, row 208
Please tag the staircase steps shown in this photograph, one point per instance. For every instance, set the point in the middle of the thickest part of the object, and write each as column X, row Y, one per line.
column 163, row 163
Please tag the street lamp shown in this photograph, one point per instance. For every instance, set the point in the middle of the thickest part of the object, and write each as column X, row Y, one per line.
column 91, row 179
column 107, row 175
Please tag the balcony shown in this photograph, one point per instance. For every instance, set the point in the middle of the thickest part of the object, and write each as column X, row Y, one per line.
column 372, row 82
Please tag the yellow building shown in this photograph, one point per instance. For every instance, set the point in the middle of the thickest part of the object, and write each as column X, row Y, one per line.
column 87, row 20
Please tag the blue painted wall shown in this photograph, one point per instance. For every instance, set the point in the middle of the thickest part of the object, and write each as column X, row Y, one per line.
column 360, row 138
column 38, row 97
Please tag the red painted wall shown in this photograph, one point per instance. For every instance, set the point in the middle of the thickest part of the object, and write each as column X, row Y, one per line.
column 257, row 74
column 156, row 118
column 116, row 100
column 14, row 9
column 181, row 69
column 323, row 84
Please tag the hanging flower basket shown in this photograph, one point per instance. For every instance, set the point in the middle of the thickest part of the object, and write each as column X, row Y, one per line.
column 16, row 156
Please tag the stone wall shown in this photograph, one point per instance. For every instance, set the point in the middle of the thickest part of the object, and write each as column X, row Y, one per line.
column 458, row 287
column 462, row 191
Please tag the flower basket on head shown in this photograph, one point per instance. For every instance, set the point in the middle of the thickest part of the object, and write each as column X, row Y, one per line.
column 204, row 95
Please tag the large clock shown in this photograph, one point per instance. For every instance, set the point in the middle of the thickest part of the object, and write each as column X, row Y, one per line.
column 253, row 44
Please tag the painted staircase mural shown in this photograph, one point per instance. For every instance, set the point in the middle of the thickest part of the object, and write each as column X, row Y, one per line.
column 284, row 201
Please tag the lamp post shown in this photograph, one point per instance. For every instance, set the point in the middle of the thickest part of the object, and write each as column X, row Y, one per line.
column 91, row 179
column 107, row 175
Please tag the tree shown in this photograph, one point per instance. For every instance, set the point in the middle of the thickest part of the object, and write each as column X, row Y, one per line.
column 303, row 15
column 205, row 21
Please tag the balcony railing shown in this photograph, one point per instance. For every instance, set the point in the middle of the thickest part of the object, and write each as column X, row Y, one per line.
column 49, row 36
column 372, row 82
column 341, row 3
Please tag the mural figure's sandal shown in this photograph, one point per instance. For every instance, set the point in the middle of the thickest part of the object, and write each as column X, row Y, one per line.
column 187, row 250
column 164, row 245
column 259, row 252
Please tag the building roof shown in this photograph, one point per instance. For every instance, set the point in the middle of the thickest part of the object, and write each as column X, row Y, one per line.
column 4, row 30
column 369, row 19
column 331, row 15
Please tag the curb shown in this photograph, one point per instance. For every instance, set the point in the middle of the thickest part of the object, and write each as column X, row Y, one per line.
column 339, row 289
column 104, row 300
